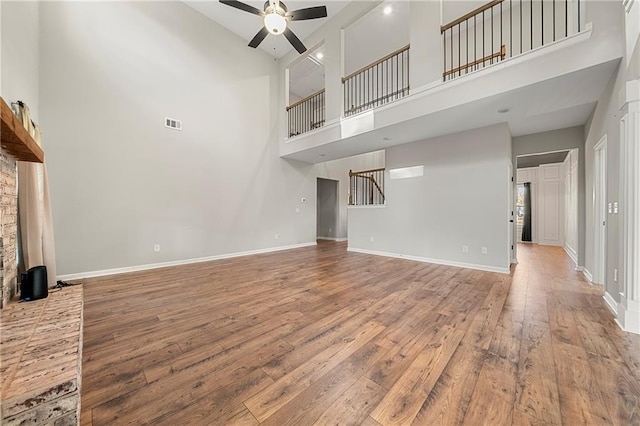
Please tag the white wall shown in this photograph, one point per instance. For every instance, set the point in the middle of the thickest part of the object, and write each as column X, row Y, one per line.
column 339, row 170
column 376, row 35
column 120, row 181
column 606, row 121
column 462, row 199
column 20, row 61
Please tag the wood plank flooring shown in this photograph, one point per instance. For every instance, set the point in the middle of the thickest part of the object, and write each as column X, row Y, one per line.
column 327, row 337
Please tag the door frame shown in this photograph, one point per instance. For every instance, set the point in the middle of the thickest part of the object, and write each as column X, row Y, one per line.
column 337, row 208
column 600, row 212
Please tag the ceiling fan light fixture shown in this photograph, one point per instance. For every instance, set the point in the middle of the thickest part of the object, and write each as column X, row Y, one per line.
column 275, row 23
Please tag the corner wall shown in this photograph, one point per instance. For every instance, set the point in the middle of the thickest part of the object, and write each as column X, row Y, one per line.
column 339, row 170
column 462, row 200
column 120, row 181
column 19, row 68
column 605, row 120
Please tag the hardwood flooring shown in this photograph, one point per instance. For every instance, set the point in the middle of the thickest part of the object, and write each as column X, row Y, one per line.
column 321, row 336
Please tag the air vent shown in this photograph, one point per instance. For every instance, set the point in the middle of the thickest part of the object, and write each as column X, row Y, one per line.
column 172, row 123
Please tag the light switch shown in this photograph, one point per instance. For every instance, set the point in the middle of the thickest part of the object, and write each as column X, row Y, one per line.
column 615, row 208
column 610, row 208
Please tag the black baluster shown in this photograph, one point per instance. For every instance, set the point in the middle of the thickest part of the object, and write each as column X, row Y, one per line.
column 466, row 69
column 492, row 43
column 521, row 26
column 459, row 37
column 484, row 53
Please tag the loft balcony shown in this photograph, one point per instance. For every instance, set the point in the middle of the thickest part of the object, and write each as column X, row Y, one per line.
column 535, row 65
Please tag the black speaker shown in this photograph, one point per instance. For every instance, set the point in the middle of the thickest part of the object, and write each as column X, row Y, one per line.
column 35, row 286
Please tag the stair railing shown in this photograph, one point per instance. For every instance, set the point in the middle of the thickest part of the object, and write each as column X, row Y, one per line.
column 381, row 82
column 307, row 114
column 488, row 34
column 366, row 187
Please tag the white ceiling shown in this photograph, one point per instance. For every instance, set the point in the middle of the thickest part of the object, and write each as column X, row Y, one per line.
column 536, row 160
column 246, row 25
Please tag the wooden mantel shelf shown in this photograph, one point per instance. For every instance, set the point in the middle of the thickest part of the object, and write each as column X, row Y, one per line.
column 15, row 138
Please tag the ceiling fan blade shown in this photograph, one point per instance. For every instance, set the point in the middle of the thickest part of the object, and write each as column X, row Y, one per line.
column 294, row 40
column 257, row 39
column 242, row 6
column 308, row 13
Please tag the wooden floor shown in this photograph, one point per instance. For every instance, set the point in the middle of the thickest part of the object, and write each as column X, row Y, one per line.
column 322, row 336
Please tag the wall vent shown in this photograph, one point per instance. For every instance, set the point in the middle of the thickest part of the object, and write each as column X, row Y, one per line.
column 172, row 123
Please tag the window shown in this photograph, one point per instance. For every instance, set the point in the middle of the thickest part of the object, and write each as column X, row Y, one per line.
column 520, row 204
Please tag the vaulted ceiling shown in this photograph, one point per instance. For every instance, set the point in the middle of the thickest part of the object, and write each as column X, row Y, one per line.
column 246, row 25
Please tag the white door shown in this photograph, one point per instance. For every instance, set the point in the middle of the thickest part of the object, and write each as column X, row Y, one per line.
column 551, row 205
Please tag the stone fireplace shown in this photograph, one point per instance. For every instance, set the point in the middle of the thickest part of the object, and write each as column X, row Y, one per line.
column 8, row 227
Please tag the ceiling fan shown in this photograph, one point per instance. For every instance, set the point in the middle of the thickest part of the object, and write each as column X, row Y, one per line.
column 276, row 16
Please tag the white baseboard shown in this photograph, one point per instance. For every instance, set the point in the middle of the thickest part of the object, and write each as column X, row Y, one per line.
column 104, row 272
column 571, row 252
column 611, row 303
column 331, row 239
column 629, row 315
column 587, row 275
column 579, row 268
column 436, row 261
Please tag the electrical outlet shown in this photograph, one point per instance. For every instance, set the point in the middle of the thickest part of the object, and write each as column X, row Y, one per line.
column 156, row 247
column 372, row 239
column 615, row 275
column 276, row 236
column 484, row 250
column 465, row 249
column 297, row 210
column 329, row 230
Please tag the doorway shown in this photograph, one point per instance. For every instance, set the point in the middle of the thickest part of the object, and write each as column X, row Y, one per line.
column 547, row 199
column 600, row 212
column 327, row 216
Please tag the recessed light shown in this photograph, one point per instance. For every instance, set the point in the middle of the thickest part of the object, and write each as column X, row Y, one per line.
column 387, row 10
column 386, row 138
column 319, row 55
column 322, row 155
column 504, row 110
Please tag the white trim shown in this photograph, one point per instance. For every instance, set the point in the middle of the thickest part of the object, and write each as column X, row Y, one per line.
column 600, row 197
column 126, row 269
column 611, row 303
column 428, row 260
column 368, row 206
column 514, row 261
column 331, row 239
column 629, row 314
column 579, row 268
column 588, row 275
column 572, row 253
